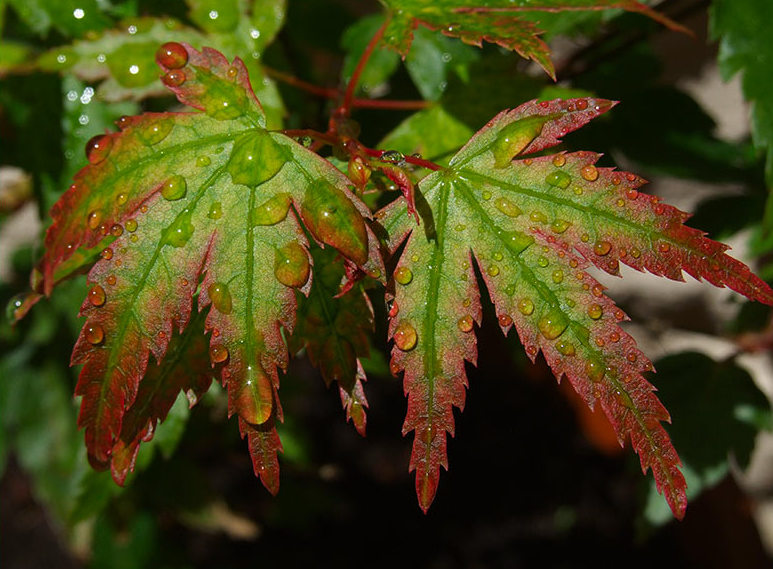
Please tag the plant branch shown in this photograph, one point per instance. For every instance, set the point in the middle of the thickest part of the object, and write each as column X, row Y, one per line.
column 354, row 79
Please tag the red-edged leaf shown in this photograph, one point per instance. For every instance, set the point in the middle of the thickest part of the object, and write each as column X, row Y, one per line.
column 496, row 22
column 206, row 201
column 334, row 331
column 533, row 226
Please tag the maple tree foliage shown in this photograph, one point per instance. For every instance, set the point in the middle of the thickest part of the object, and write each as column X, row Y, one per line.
column 219, row 247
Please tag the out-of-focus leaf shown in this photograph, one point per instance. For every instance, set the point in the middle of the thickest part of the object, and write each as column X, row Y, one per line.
column 432, row 132
column 71, row 17
column 382, row 63
column 716, row 411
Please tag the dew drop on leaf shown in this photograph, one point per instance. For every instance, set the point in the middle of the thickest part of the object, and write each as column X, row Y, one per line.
column 513, row 138
column 405, row 336
column 595, row 311
column 664, row 247
column 557, row 276
column 116, row 230
column 602, row 247
column 504, row 320
column 465, row 323
column 507, row 207
column 403, row 275
column 517, row 241
column 174, row 188
column 272, row 211
column 565, row 348
column 255, row 158
column 94, row 219
column 107, row 253
column 218, row 353
column 560, row 226
column 542, row 261
column 98, row 148
column 486, row 195
column 526, row 306
column 559, row 160
column 172, row 55
column 558, row 179
column 180, row 231
column 589, row 172
column 121, row 198
column 552, row 324
column 215, row 211
column 131, row 225
column 173, row 78
column 111, row 280
column 538, row 217
column 203, row 161
column 97, row 296
column 155, row 132
column 94, row 334
column 594, row 369
column 291, row 265
column 221, row 297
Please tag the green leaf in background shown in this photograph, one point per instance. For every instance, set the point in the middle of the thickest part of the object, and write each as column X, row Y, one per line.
column 717, row 411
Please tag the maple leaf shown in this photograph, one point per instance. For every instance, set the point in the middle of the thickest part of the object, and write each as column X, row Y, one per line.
column 496, row 22
column 334, row 330
column 533, row 226
column 201, row 203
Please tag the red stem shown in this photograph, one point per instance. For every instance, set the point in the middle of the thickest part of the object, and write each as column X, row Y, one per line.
column 354, row 79
column 390, row 104
column 326, row 92
column 418, row 161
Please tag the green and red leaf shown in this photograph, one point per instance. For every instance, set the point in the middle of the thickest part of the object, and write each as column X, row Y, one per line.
column 533, row 226
column 496, row 22
column 206, row 201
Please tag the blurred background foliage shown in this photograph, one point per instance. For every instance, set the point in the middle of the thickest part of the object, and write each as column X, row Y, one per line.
column 536, row 478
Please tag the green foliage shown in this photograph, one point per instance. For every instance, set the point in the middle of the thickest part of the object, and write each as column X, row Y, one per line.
column 218, row 244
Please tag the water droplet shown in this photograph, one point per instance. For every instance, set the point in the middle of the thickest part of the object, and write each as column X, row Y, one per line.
column 559, row 160
column 504, row 320
column 631, row 357
column 460, row 227
column 595, row 371
column 493, row 270
column 659, row 209
column 221, row 297
column 94, row 219
column 98, row 148
column 107, row 253
column 94, row 334
column 542, row 261
column 589, row 172
column 405, row 337
column 218, row 353
column 558, row 276
column 256, row 158
column 415, row 257
column 174, row 188
column 172, row 55
column 565, row 348
column 272, row 211
column 632, row 194
column 616, row 180
column 465, row 323
column 291, row 265
column 614, row 337
column 121, row 199
column 514, row 138
column 215, row 211
column 116, row 230
column 332, row 218
column 111, row 280
column 602, row 247
column 595, row 311
column 560, row 225
column 552, row 324
column 180, row 231
column 597, row 290
column 154, row 132
column 203, row 161
column 507, row 207
column 526, row 306
column 582, row 104
column 392, row 157
column 664, row 247
column 558, row 179
column 635, row 253
column 486, row 195
column 173, row 78
column 131, row 225
column 403, row 275
column 497, row 256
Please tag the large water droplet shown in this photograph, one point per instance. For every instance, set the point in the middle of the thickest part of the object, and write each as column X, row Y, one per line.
column 526, row 306
column 131, row 225
column 98, row 148
column 558, row 179
column 589, row 172
column 595, row 370
column 565, row 348
column 155, row 131
column 172, row 55
column 465, row 323
column 517, row 241
column 595, row 311
column 220, row 297
column 180, row 231
column 94, row 334
column 218, row 353
column 215, row 211
column 256, row 158
column 560, row 226
column 405, row 336
column 174, row 188
column 552, row 324
column 558, row 276
column 272, row 211
column 493, row 270
column 602, row 247
column 94, row 219
column 291, row 265
column 507, row 207
column 403, row 275
column 514, row 138
column 174, row 78
column 97, row 296
column 332, row 218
